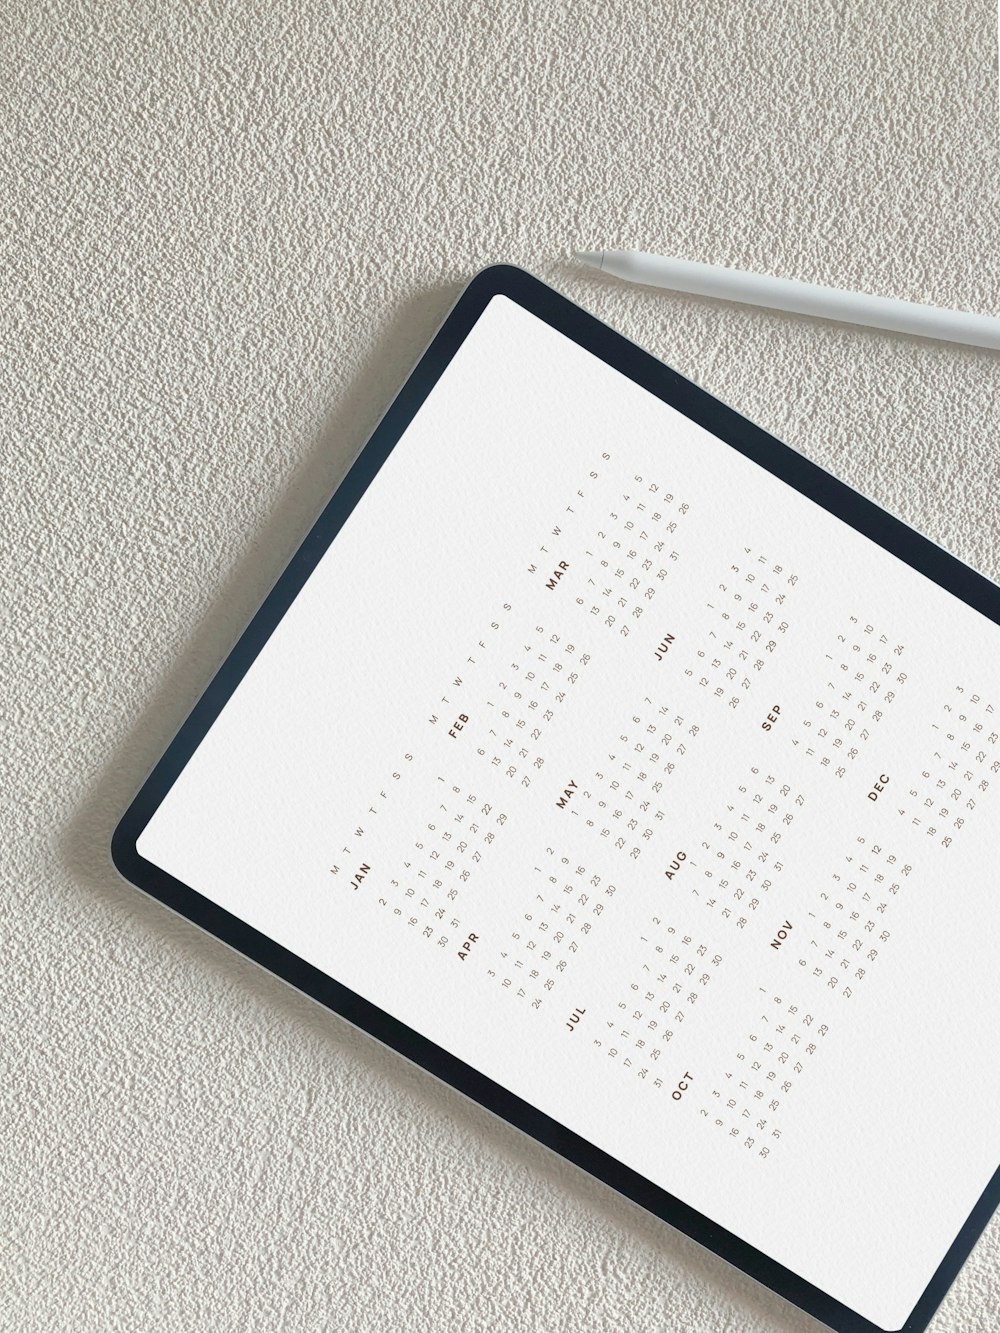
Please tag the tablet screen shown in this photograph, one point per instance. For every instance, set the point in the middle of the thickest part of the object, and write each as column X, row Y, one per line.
column 621, row 770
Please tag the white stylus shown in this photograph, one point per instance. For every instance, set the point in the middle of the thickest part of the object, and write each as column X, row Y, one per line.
column 802, row 298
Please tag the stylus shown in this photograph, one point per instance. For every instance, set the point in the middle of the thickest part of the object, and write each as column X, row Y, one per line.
column 801, row 298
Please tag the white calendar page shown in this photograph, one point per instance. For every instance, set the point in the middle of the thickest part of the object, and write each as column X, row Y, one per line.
column 613, row 765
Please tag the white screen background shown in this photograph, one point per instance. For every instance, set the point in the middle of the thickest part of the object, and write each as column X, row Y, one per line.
column 889, row 1136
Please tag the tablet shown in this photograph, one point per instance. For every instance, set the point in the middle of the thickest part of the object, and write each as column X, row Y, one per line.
column 632, row 775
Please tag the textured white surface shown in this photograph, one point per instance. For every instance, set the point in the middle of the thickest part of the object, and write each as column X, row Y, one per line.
column 227, row 232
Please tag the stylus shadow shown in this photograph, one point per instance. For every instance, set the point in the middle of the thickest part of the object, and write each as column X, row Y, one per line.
column 83, row 846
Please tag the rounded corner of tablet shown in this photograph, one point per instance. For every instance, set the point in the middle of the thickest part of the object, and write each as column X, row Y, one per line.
column 502, row 279
column 124, row 850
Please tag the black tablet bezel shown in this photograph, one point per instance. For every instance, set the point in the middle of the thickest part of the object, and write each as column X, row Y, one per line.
column 756, row 444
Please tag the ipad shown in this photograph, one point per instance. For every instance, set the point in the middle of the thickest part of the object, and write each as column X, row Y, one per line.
column 632, row 775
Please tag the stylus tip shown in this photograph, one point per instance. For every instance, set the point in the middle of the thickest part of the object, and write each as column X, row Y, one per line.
column 595, row 258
